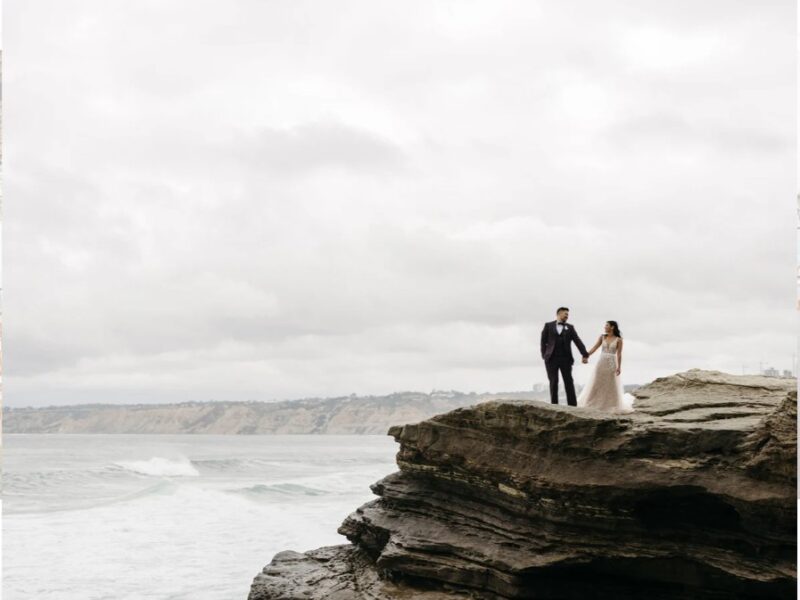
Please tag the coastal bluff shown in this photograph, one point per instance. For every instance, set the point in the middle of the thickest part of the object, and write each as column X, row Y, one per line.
column 693, row 495
column 344, row 415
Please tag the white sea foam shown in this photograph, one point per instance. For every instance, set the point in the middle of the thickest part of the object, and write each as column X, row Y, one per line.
column 286, row 489
column 161, row 467
column 123, row 520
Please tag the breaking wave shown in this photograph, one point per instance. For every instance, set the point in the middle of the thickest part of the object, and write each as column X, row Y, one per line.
column 161, row 467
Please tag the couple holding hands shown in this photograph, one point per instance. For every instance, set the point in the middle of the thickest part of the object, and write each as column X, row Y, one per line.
column 604, row 389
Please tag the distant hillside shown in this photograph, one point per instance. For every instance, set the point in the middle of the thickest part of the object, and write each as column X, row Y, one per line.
column 344, row 415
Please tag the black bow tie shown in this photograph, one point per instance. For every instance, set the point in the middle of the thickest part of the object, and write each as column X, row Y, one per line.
column 562, row 324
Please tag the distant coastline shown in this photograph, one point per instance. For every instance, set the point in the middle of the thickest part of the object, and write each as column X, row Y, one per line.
column 340, row 415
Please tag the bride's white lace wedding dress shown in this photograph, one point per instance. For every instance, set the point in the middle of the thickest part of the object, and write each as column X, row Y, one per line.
column 604, row 389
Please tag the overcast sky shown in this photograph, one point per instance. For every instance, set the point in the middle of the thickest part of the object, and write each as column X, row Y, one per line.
column 278, row 199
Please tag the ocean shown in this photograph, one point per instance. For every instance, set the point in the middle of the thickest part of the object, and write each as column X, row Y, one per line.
column 173, row 517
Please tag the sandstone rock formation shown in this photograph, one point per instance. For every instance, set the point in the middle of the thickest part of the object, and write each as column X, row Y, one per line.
column 691, row 496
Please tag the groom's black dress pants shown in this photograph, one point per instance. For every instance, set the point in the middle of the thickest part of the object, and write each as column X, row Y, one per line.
column 565, row 366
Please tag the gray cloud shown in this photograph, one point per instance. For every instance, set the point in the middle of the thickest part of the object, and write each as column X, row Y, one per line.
column 679, row 134
column 273, row 200
column 312, row 146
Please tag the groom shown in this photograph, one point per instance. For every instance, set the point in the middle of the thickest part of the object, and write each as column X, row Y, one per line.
column 557, row 338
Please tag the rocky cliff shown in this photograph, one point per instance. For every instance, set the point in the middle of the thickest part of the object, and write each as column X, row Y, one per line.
column 691, row 496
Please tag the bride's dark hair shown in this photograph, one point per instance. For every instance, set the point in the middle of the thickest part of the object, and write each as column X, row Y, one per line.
column 615, row 327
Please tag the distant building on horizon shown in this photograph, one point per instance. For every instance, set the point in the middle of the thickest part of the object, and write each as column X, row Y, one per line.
column 773, row 372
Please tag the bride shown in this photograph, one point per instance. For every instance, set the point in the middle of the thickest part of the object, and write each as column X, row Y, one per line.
column 604, row 389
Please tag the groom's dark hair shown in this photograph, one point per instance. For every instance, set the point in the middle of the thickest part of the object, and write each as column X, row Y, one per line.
column 560, row 308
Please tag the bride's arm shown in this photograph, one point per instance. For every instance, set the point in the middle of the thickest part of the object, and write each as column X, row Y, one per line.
column 619, row 356
column 596, row 346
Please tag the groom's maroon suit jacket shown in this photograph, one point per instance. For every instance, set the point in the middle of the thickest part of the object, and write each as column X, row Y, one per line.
column 549, row 335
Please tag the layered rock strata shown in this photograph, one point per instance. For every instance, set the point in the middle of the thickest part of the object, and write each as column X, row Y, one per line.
column 691, row 496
